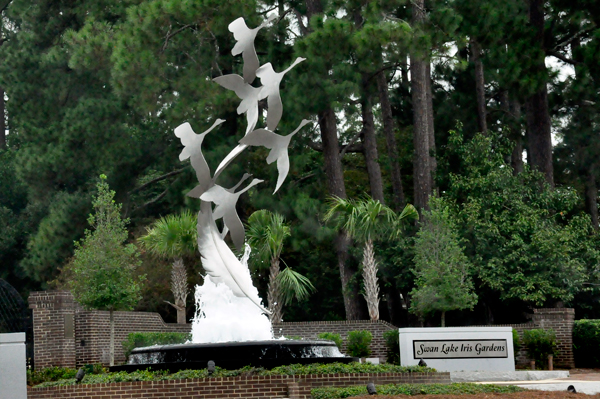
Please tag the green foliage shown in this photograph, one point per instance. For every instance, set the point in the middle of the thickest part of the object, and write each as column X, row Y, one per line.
column 519, row 234
column 293, row 285
column 414, row 390
column 586, row 343
column 52, row 374
column 172, row 236
column 266, row 232
column 332, row 337
column 443, row 280
column 294, row 369
column 141, row 339
column 359, row 343
column 392, row 346
column 101, row 273
column 540, row 343
column 516, row 342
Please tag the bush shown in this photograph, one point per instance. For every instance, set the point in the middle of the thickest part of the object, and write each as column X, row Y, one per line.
column 586, row 343
column 359, row 343
column 141, row 339
column 413, row 390
column 50, row 374
column 292, row 369
column 540, row 343
column 516, row 342
column 392, row 346
column 332, row 337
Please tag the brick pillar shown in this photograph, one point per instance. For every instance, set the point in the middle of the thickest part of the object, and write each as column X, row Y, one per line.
column 53, row 328
column 561, row 321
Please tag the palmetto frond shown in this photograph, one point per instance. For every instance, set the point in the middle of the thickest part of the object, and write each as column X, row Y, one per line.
column 266, row 232
column 293, row 285
column 172, row 236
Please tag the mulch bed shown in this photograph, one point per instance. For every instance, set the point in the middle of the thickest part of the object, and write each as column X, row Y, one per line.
column 516, row 395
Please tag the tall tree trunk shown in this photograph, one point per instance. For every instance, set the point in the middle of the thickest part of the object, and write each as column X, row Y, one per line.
column 479, row 86
column 430, row 125
column 516, row 160
column 370, row 280
column 591, row 197
column 538, row 115
column 111, row 345
column 274, row 293
column 418, row 84
column 443, row 318
column 370, row 150
column 336, row 186
column 2, row 121
column 390, row 139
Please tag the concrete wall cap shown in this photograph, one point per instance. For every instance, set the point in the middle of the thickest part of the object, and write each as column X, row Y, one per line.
column 12, row 338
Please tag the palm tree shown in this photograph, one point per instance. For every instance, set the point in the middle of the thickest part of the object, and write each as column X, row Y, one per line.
column 367, row 220
column 174, row 236
column 266, row 233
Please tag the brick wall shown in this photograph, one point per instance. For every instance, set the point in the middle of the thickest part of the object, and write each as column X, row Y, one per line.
column 64, row 334
column 67, row 335
column 259, row 387
column 310, row 330
column 560, row 320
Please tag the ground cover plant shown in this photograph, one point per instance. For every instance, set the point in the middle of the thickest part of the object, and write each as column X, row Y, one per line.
column 68, row 378
column 413, row 389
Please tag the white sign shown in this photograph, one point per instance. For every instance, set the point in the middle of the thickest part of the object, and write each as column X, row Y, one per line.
column 458, row 348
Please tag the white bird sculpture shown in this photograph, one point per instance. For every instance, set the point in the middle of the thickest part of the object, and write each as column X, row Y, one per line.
column 245, row 45
column 192, row 148
column 270, row 90
column 226, row 201
column 248, row 94
column 279, row 148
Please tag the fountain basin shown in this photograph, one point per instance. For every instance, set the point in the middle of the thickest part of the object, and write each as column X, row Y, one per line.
column 234, row 355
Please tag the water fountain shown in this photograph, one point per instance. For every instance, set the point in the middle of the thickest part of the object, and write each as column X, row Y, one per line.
column 231, row 326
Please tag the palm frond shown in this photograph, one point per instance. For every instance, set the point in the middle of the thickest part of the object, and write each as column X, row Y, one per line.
column 172, row 236
column 294, row 285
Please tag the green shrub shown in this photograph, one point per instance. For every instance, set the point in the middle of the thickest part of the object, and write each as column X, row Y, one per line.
column 392, row 346
column 332, row 337
column 586, row 343
column 359, row 343
column 516, row 342
column 292, row 369
column 50, row 374
column 413, row 390
column 540, row 343
column 141, row 339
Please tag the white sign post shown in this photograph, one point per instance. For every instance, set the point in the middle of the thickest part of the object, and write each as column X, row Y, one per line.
column 13, row 370
column 458, row 348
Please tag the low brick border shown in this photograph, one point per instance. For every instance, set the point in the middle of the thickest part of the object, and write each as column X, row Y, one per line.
column 258, row 387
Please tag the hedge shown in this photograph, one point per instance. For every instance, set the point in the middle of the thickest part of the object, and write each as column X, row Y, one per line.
column 586, row 343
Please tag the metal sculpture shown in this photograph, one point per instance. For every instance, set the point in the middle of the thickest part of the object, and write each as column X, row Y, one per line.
column 218, row 260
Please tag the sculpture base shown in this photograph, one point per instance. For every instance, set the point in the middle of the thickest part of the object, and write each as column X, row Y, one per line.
column 233, row 355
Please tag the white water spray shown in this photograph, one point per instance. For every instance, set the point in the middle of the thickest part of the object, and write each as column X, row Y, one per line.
column 222, row 317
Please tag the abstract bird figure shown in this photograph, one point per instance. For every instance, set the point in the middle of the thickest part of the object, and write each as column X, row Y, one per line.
column 279, row 148
column 248, row 94
column 192, row 148
column 270, row 90
column 245, row 45
column 226, row 201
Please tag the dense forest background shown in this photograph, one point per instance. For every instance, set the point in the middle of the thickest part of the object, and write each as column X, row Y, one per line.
column 489, row 106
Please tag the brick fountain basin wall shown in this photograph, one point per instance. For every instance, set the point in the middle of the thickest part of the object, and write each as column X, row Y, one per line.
column 259, row 387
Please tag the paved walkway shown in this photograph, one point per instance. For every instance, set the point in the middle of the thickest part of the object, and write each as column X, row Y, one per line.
column 583, row 383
